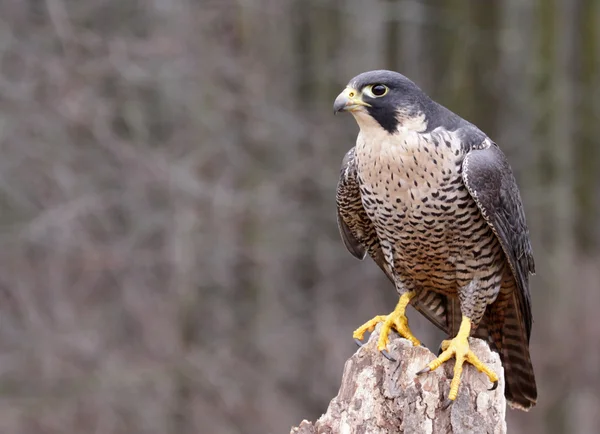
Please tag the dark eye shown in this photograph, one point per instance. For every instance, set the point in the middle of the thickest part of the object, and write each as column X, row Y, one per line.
column 379, row 89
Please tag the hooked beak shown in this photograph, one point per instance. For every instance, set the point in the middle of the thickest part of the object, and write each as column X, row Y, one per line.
column 349, row 100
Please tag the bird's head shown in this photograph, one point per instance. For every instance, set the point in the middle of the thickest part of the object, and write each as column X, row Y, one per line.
column 385, row 99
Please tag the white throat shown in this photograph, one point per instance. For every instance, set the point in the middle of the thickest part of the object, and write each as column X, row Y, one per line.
column 366, row 123
column 406, row 123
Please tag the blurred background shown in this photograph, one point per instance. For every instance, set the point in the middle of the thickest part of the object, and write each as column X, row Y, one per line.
column 170, row 260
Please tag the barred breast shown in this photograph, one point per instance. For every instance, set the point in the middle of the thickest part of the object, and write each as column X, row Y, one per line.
column 431, row 232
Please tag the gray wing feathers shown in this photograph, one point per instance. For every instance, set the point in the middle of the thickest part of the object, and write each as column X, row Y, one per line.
column 490, row 181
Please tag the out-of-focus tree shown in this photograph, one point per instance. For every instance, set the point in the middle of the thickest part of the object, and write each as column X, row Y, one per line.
column 170, row 260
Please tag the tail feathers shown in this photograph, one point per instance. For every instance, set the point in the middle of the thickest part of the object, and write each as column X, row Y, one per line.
column 520, row 390
column 508, row 333
column 482, row 332
column 434, row 307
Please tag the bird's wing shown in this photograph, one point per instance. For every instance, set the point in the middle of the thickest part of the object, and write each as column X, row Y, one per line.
column 356, row 229
column 490, row 181
column 359, row 236
column 357, row 249
column 350, row 211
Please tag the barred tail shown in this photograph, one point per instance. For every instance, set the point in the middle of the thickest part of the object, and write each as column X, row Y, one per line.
column 508, row 334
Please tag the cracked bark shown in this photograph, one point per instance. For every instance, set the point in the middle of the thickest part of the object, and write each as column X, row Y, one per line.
column 380, row 396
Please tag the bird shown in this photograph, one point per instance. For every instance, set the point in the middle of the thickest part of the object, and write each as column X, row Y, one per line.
column 434, row 202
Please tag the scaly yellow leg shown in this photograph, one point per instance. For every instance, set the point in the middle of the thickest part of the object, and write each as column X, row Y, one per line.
column 397, row 320
column 459, row 348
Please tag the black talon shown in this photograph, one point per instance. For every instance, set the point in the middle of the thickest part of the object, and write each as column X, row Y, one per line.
column 440, row 351
column 494, row 386
column 424, row 370
column 359, row 342
column 387, row 356
column 447, row 404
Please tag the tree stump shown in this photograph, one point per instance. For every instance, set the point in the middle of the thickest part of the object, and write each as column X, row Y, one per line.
column 381, row 396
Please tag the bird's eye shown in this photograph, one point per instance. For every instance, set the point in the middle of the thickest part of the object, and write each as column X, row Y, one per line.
column 379, row 89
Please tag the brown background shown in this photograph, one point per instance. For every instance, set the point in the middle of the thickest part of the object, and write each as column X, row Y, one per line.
column 170, row 261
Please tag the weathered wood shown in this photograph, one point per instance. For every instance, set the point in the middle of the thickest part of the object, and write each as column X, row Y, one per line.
column 380, row 396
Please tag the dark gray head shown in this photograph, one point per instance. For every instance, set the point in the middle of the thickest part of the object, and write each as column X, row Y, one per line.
column 393, row 101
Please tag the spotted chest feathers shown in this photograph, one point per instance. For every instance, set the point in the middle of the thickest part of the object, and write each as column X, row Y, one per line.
column 431, row 231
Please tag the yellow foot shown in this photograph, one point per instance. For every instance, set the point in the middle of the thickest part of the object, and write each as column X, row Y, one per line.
column 396, row 320
column 459, row 348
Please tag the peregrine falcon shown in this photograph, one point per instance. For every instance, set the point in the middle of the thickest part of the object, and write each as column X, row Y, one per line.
column 434, row 202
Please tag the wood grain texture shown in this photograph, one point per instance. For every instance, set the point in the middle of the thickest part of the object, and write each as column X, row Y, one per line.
column 379, row 396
